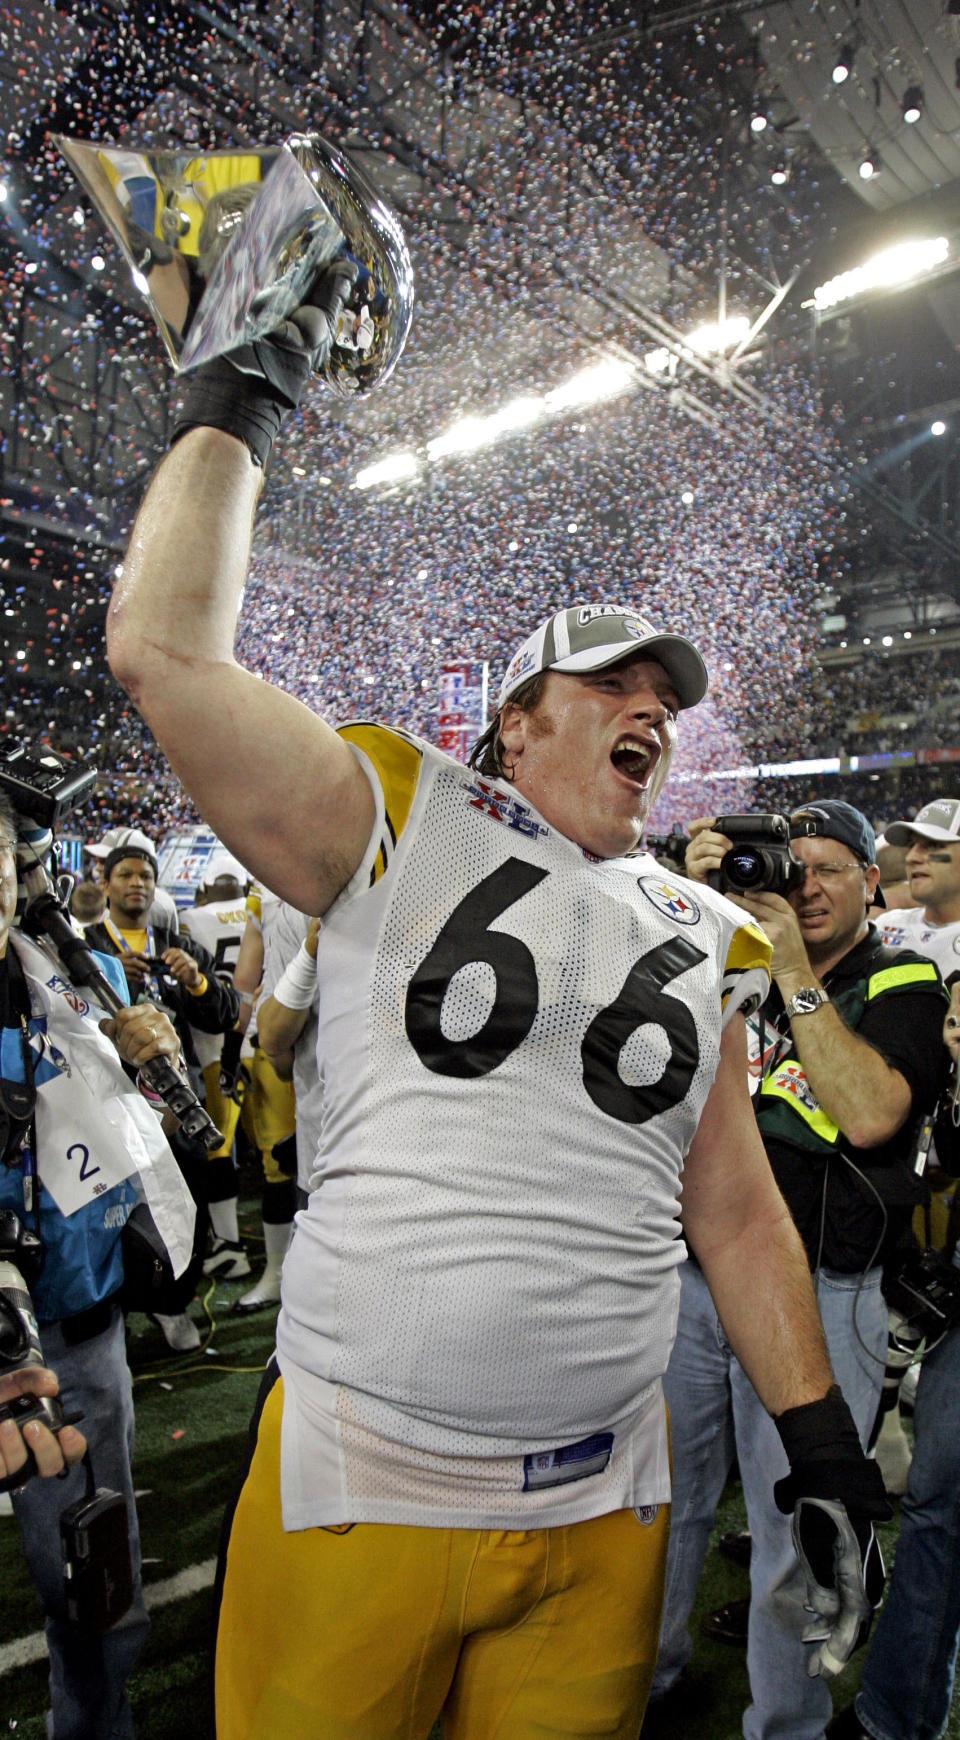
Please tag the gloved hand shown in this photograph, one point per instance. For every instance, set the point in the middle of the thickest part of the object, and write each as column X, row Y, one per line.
column 250, row 391
column 836, row 1493
column 230, row 1064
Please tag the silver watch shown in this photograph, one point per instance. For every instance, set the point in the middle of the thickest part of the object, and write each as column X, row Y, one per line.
column 806, row 1000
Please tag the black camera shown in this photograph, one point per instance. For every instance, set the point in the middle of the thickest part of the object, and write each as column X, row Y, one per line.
column 669, row 848
column 43, row 785
column 759, row 859
column 925, row 1288
column 19, row 1337
column 95, row 1549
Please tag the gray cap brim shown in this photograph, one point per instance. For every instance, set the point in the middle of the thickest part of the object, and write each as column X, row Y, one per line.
column 902, row 833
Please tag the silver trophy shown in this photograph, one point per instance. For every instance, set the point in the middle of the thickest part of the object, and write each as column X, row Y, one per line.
column 225, row 244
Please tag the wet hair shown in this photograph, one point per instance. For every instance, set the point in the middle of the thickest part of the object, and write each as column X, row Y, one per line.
column 487, row 753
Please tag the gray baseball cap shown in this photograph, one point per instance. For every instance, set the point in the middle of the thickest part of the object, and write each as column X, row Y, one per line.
column 588, row 637
column 939, row 820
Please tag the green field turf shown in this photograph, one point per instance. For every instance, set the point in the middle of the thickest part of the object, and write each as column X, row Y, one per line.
column 192, row 1414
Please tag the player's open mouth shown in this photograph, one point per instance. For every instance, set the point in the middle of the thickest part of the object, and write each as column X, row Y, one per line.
column 634, row 759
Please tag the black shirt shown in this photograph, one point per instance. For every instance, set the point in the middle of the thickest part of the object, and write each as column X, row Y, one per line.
column 822, row 1191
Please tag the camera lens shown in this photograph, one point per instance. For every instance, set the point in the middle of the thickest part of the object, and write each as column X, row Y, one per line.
column 745, row 868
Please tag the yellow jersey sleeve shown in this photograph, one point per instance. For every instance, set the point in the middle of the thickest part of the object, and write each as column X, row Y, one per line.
column 746, row 971
column 396, row 760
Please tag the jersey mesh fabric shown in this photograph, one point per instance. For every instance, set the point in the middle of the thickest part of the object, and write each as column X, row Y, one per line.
column 489, row 1263
column 908, row 929
column 217, row 927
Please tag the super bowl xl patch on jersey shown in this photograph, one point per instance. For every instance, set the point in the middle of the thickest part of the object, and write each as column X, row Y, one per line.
column 570, row 1462
column 676, row 903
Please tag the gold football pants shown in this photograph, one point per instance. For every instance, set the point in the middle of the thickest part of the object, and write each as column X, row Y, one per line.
column 369, row 1634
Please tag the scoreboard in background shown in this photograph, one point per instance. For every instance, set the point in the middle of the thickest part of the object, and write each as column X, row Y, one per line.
column 182, row 860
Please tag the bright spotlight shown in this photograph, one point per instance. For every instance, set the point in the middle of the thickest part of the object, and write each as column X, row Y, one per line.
column 886, row 271
column 759, row 121
column 938, row 427
column 602, row 380
column 912, row 104
column 868, row 168
column 719, row 335
column 844, row 65
column 389, row 470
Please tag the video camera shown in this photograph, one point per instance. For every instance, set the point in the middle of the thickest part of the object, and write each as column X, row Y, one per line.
column 21, row 1251
column 42, row 785
column 759, row 859
column 671, row 848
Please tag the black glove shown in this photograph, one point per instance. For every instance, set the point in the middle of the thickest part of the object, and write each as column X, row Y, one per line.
column 836, row 1494
column 230, row 1064
column 250, row 391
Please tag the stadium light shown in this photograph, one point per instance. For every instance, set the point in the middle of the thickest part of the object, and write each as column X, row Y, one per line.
column 390, row 470
column 912, row 104
column 887, row 271
column 843, row 66
column 469, row 433
column 938, row 427
column 868, row 168
column 602, row 380
column 719, row 335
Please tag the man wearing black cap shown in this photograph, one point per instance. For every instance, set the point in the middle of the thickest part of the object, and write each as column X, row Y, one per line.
column 525, row 1035
column 847, row 1052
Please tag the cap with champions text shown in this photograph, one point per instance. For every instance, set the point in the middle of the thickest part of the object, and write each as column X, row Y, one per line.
column 588, row 637
column 118, row 843
column 939, row 820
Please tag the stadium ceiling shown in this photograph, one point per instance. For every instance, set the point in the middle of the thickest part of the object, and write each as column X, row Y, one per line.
column 497, row 133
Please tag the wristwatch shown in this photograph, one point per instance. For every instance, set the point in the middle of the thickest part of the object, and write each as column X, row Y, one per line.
column 806, row 1000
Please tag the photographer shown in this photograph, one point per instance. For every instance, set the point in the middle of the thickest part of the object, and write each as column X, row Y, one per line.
column 847, row 1054
column 70, row 1179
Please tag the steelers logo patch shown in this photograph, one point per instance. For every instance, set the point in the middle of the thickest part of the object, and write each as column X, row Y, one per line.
column 668, row 898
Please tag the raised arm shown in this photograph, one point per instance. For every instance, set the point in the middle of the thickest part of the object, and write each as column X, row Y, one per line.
column 277, row 785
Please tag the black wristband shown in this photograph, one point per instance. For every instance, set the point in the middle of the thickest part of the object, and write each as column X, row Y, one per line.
column 221, row 397
column 819, row 1431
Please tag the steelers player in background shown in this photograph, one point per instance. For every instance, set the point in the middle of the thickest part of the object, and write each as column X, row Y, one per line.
column 216, row 921
column 533, row 1055
column 265, row 1091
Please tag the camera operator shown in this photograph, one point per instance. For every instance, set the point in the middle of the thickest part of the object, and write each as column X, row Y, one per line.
column 849, row 1055
column 70, row 1176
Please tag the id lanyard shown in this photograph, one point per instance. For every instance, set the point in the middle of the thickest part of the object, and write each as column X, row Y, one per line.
column 150, row 982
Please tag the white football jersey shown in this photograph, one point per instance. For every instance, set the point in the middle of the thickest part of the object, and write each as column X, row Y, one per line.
column 906, row 928
column 516, row 1042
column 218, row 928
column 262, row 908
